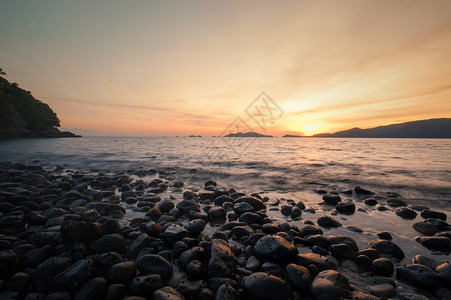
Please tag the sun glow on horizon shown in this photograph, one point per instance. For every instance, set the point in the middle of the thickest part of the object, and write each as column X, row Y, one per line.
column 311, row 129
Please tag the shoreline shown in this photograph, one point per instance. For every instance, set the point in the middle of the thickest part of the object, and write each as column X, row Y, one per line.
column 229, row 239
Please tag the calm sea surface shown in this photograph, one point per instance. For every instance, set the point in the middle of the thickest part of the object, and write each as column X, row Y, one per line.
column 418, row 169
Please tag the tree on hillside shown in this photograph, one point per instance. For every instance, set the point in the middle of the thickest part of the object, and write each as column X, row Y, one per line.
column 19, row 110
column 2, row 72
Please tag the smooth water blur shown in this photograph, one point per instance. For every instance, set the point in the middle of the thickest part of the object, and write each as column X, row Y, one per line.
column 416, row 168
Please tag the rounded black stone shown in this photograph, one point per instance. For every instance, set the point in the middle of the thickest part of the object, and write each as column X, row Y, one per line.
column 265, row 286
column 275, row 248
column 154, row 264
column 382, row 267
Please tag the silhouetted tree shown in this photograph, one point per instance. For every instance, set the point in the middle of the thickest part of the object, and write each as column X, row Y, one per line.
column 2, row 72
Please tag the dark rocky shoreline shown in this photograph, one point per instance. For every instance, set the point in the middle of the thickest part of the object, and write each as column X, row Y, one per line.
column 78, row 235
column 45, row 133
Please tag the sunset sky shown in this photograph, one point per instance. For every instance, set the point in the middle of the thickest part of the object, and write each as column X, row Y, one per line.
column 192, row 67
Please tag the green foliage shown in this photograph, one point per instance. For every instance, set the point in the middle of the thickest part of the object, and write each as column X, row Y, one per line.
column 19, row 110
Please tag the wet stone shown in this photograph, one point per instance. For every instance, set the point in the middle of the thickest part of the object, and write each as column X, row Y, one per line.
column 121, row 272
column 152, row 229
column 195, row 253
column 116, row 292
column 396, row 202
column 330, row 285
column 412, row 296
column 19, row 282
column 384, row 290
column 174, row 233
column 250, row 218
column 437, row 243
column 326, row 221
column 34, row 257
column 440, row 225
column 286, row 210
column 406, row 213
column 219, row 201
column 154, row 264
column 427, row 261
column 91, row 290
column 341, row 239
column 384, row 235
column 165, row 205
column 223, row 262
column 361, row 191
column 227, row 292
column 194, row 270
column 275, row 248
column 270, row 228
column 299, row 277
column 342, row 251
column 187, row 206
column 137, row 245
column 81, row 232
column 265, row 286
column 217, row 213
column 319, row 250
column 382, row 267
column 428, row 214
column 371, row 202
column 45, row 272
column 319, row 262
column 418, row 275
column 167, row 293
column 358, row 295
column 318, row 240
column 444, row 271
column 347, row 208
column 425, row 228
column 296, row 212
column 195, row 227
column 331, row 199
column 387, row 247
column 257, row 204
column 382, row 208
column 110, row 242
column 310, row 230
column 144, row 285
column 76, row 275
column 253, row 264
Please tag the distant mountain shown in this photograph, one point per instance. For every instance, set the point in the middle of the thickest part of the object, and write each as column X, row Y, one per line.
column 247, row 134
column 21, row 115
column 293, row 136
column 432, row 128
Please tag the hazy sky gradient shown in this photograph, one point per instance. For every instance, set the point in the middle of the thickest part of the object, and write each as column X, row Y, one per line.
column 182, row 67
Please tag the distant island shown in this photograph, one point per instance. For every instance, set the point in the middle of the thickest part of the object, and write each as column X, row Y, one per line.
column 23, row 116
column 293, row 136
column 247, row 134
column 432, row 128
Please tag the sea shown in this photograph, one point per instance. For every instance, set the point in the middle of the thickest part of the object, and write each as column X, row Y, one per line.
column 417, row 169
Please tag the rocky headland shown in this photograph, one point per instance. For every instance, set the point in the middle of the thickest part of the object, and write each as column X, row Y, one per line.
column 23, row 116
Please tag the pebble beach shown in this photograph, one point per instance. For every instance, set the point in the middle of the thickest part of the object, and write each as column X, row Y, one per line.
column 68, row 234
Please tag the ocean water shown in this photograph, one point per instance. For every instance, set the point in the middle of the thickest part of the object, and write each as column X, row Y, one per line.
column 418, row 169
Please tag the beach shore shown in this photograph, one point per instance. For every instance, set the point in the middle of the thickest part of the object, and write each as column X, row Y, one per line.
column 88, row 235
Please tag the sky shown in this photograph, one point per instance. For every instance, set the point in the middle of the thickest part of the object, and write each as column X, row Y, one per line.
column 146, row 68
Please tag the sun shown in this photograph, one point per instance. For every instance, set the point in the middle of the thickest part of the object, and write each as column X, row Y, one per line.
column 310, row 129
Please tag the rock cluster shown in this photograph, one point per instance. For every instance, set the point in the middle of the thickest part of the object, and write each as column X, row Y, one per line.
column 67, row 235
